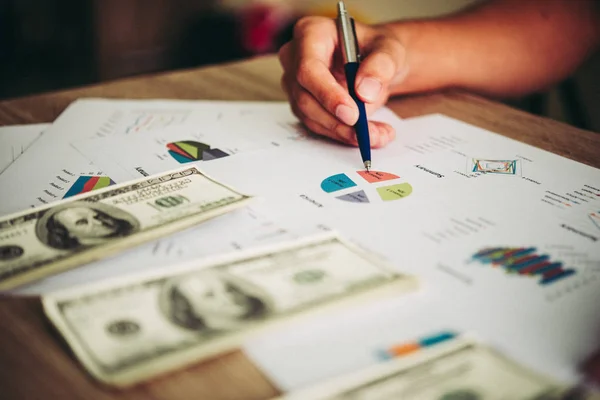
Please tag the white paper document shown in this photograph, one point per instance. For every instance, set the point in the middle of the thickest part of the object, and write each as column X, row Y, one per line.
column 442, row 193
column 337, row 345
column 100, row 118
column 462, row 369
column 124, row 157
column 15, row 139
column 504, row 237
column 127, row 157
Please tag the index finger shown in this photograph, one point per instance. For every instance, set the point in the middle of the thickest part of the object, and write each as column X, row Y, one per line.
column 316, row 40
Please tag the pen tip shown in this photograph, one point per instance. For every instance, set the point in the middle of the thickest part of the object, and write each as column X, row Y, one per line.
column 368, row 165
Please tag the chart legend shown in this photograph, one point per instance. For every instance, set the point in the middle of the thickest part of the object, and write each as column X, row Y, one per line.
column 85, row 184
column 377, row 184
column 524, row 261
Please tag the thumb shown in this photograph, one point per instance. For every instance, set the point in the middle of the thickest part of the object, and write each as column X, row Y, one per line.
column 384, row 63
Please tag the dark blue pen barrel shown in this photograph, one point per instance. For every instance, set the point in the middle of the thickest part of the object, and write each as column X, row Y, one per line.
column 361, row 126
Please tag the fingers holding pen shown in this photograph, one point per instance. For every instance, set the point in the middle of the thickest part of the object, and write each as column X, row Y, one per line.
column 317, row 90
column 316, row 43
column 308, row 110
column 316, row 118
column 307, row 62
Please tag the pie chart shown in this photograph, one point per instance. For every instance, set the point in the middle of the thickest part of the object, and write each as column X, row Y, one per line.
column 186, row 151
column 595, row 217
column 85, row 184
column 383, row 186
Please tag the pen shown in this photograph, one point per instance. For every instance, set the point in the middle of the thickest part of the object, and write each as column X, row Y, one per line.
column 350, row 54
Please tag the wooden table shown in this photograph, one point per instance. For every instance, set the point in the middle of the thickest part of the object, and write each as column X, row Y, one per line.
column 33, row 361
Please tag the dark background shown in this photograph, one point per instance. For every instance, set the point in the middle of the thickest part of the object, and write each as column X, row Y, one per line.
column 54, row 44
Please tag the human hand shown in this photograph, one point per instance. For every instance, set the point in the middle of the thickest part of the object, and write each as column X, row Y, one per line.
column 315, row 83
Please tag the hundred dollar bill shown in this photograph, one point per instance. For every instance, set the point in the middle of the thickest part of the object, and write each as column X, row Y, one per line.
column 88, row 227
column 463, row 369
column 129, row 330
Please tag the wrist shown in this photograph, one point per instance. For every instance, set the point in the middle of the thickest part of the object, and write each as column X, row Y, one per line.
column 431, row 64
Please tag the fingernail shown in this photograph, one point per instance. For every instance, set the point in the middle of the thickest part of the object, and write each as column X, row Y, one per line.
column 346, row 114
column 369, row 89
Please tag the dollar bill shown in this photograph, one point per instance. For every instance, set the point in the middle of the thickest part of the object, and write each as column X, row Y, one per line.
column 463, row 369
column 126, row 331
column 91, row 226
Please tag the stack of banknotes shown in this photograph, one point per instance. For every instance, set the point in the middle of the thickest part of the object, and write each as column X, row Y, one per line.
column 129, row 330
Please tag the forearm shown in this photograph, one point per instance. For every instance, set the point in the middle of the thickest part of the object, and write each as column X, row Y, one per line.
column 502, row 48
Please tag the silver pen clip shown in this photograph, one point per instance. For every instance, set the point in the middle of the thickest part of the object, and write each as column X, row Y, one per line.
column 358, row 57
column 347, row 34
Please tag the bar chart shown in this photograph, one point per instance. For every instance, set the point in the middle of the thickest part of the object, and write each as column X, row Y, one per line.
column 525, row 261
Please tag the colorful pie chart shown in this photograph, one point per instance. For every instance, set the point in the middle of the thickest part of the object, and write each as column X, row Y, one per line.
column 388, row 186
column 85, row 184
column 186, row 151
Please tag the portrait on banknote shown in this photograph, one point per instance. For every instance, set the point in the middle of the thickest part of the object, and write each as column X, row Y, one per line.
column 210, row 301
column 80, row 224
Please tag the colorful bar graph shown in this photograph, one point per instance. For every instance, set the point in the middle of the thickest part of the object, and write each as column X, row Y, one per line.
column 555, row 274
column 403, row 349
column 535, row 267
column 532, row 260
column 524, row 261
column 550, row 267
